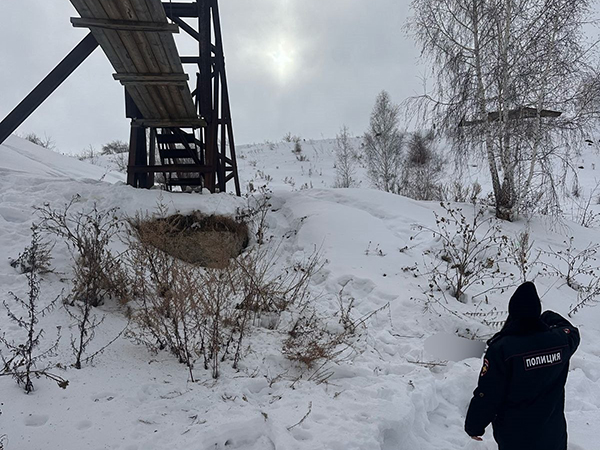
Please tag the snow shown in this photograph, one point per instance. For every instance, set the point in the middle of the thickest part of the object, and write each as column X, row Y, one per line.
column 391, row 394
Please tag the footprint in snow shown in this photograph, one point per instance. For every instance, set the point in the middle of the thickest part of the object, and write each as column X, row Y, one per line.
column 84, row 425
column 36, row 420
column 103, row 397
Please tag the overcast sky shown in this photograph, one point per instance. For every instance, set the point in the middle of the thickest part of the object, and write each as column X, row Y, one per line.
column 300, row 66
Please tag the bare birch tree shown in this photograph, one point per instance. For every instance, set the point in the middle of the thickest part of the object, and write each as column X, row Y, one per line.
column 344, row 159
column 511, row 79
column 383, row 144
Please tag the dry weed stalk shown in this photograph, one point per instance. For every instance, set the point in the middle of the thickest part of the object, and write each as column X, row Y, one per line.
column 23, row 363
column 98, row 274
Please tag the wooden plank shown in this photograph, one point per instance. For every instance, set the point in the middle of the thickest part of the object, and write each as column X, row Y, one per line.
column 157, row 57
column 141, row 52
column 158, row 77
column 127, row 37
column 125, row 25
column 168, row 123
column 175, row 139
column 141, row 45
column 175, row 154
column 158, row 83
column 165, row 168
column 181, row 97
column 185, row 181
column 112, row 44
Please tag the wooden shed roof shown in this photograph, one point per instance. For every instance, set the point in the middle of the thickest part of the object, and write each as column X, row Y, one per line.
column 138, row 41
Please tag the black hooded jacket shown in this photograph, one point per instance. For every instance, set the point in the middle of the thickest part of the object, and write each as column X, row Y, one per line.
column 521, row 385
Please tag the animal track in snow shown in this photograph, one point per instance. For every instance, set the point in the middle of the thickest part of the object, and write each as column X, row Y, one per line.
column 36, row 420
column 84, row 425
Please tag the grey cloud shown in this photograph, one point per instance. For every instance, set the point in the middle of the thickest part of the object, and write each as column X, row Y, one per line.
column 345, row 52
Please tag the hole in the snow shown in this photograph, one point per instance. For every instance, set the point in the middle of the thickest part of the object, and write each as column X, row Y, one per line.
column 209, row 241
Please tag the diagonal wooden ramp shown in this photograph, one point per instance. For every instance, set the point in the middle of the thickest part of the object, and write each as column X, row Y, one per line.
column 138, row 40
column 191, row 133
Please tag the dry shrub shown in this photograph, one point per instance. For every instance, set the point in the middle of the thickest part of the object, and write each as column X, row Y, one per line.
column 98, row 273
column 310, row 343
column 24, row 360
column 196, row 312
column 265, row 287
column 470, row 255
column 316, row 343
column 209, row 241
column 42, row 257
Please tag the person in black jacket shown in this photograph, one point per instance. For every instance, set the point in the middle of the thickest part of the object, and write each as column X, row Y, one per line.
column 521, row 389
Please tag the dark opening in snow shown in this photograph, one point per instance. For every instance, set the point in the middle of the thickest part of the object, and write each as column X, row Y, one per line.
column 209, row 241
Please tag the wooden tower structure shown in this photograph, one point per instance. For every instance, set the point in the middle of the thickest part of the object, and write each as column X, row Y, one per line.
column 184, row 135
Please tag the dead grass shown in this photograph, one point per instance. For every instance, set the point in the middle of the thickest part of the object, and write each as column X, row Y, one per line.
column 208, row 241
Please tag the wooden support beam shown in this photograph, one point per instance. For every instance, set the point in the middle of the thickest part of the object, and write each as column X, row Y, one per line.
column 190, row 60
column 151, row 79
column 174, row 139
column 168, row 123
column 190, row 30
column 47, row 86
column 150, row 76
column 124, row 25
column 181, row 9
column 172, row 168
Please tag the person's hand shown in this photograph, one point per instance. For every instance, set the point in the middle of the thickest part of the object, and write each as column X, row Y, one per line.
column 476, row 438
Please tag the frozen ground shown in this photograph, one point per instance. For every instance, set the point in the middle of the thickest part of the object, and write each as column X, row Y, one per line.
column 392, row 395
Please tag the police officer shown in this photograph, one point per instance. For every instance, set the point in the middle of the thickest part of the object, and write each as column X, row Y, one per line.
column 521, row 389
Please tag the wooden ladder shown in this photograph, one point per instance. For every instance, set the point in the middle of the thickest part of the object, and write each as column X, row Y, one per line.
column 182, row 152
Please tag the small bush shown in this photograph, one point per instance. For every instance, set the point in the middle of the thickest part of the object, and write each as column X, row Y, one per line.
column 89, row 154
column 587, row 295
column 421, row 169
column 470, row 254
column 289, row 137
column 315, row 345
column 42, row 258
column 46, row 141
column 520, row 254
column 23, row 362
column 459, row 193
column 572, row 264
column 196, row 312
column 114, row 148
column 98, row 273
column 344, row 160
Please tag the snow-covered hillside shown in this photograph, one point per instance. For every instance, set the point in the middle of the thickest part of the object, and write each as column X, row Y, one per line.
column 390, row 395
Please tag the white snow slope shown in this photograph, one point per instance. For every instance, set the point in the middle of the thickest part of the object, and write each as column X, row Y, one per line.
column 384, row 397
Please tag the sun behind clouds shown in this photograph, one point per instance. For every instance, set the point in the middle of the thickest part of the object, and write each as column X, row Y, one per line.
column 282, row 58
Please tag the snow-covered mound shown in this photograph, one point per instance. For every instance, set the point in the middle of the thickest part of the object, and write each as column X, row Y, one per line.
column 391, row 395
column 20, row 155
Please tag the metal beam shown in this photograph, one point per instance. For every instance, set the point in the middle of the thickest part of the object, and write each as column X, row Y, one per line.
column 190, row 60
column 180, row 9
column 47, row 86
column 190, row 30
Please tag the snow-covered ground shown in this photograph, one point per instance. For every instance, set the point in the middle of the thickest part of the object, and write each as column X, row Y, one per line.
column 391, row 395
